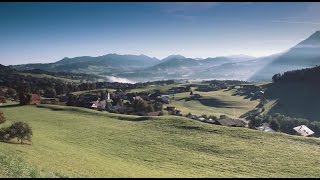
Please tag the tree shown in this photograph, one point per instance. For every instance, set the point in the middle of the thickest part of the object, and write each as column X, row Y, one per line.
column 274, row 124
column 263, row 100
column 3, row 99
column 255, row 121
column 2, row 118
column 20, row 130
column 25, row 98
column 276, row 77
column 50, row 92
column 149, row 108
column 11, row 92
column 224, row 117
column 204, row 116
column 140, row 105
column 158, row 106
column 72, row 100
column 213, row 117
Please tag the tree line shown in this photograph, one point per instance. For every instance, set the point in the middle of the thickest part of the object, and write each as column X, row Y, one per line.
column 308, row 75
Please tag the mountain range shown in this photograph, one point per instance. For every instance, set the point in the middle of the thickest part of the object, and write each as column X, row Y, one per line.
column 144, row 68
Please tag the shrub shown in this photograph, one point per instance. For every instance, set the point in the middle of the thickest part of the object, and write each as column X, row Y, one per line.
column 20, row 130
column 204, row 116
column 213, row 117
column 25, row 98
column 224, row 117
column 158, row 106
column 11, row 92
column 275, row 125
column 2, row 118
column 3, row 99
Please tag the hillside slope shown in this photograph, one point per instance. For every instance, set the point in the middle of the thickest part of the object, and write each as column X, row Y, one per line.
column 76, row 142
column 305, row 54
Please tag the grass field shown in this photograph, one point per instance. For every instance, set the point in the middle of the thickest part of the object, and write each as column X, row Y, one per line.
column 77, row 142
column 217, row 103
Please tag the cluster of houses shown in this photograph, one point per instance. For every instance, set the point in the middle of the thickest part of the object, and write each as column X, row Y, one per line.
column 110, row 101
column 223, row 121
column 122, row 102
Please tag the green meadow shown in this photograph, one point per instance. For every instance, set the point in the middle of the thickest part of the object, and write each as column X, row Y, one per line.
column 217, row 103
column 78, row 142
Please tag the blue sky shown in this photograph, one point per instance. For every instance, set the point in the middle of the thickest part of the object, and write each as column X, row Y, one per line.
column 47, row 32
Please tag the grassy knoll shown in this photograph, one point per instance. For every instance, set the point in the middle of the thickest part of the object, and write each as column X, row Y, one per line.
column 214, row 102
column 77, row 142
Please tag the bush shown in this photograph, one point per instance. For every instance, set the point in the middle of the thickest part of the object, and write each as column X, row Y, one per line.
column 11, row 92
column 2, row 134
column 213, row 117
column 158, row 106
column 20, row 130
column 204, row 116
column 224, row 117
column 189, row 115
column 3, row 99
column 2, row 118
column 149, row 108
column 275, row 125
column 25, row 98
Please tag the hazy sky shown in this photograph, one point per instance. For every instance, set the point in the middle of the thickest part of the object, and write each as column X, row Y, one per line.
column 47, row 32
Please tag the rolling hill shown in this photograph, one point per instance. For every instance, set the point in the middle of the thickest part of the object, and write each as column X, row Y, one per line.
column 77, row 142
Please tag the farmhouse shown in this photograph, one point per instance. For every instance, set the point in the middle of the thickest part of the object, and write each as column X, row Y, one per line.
column 230, row 122
column 173, row 111
column 100, row 105
column 171, row 108
column 303, row 130
column 265, row 128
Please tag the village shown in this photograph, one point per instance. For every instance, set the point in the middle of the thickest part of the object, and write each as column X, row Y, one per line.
column 158, row 103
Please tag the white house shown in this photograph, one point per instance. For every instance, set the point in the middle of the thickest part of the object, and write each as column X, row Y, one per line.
column 303, row 130
column 265, row 128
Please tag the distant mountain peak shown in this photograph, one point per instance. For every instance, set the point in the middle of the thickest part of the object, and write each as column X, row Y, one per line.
column 315, row 36
column 312, row 41
column 174, row 56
